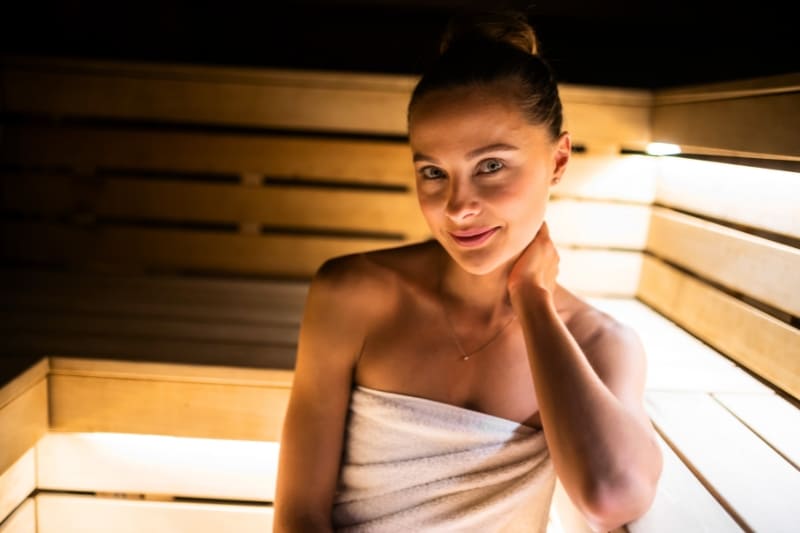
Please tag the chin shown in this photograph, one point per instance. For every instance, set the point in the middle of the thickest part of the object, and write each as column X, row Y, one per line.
column 478, row 262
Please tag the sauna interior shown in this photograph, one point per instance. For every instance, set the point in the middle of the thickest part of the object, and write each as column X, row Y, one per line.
column 161, row 221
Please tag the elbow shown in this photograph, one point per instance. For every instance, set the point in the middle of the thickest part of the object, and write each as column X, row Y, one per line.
column 609, row 506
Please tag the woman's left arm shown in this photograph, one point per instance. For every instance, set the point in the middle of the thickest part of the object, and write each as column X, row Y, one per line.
column 604, row 447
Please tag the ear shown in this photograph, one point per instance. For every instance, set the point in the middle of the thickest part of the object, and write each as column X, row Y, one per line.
column 561, row 153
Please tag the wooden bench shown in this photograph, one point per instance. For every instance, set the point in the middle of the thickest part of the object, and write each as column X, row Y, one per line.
column 160, row 224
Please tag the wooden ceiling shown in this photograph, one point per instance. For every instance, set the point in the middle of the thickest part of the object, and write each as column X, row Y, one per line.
column 613, row 43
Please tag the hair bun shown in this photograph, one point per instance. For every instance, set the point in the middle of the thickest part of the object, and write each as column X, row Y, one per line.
column 509, row 27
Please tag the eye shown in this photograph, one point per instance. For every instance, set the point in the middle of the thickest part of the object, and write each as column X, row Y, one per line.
column 490, row 166
column 431, row 173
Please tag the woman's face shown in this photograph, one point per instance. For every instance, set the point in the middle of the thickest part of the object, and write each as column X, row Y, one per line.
column 483, row 174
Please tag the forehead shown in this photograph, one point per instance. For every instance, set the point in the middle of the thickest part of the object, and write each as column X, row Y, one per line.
column 463, row 119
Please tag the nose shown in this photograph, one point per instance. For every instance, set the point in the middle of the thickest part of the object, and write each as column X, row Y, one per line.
column 462, row 202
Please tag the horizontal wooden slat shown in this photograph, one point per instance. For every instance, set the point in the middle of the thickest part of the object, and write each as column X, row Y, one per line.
column 296, row 256
column 598, row 224
column 61, row 513
column 157, row 465
column 19, row 375
column 292, row 256
column 183, row 292
column 110, row 302
column 333, row 160
column 727, row 90
column 599, row 272
column 756, row 483
column 215, row 374
column 179, row 296
column 754, row 339
column 762, row 269
column 37, row 344
column 607, row 128
column 167, row 328
column 23, row 520
column 726, row 192
column 188, row 407
column 275, row 98
column 587, row 223
column 17, row 483
column 677, row 361
column 682, row 503
column 235, row 96
column 273, row 206
column 23, row 421
column 729, row 124
column 627, row 178
column 774, row 419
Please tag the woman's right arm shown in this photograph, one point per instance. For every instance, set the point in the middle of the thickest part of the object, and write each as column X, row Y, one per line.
column 331, row 337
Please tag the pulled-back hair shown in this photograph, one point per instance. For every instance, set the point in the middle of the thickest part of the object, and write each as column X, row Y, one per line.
column 497, row 49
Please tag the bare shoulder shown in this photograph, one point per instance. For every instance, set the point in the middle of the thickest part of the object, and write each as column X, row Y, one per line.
column 372, row 281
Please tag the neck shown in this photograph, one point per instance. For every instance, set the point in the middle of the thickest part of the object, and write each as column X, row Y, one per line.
column 483, row 294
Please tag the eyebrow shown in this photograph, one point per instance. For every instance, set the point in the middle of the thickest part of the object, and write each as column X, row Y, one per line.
column 497, row 147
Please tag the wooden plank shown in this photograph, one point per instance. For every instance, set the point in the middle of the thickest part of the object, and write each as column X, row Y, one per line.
column 167, row 407
column 613, row 224
column 62, row 513
column 762, row 269
column 331, row 160
column 93, row 300
column 279, row 256
column 725, row 90
column 149, row 349
column 677, row 361
column 23, row 520
column 23, row 421
column 274, row 206
column 607, row 128
column 163, row 290
column 157, row 465
column 275, row 98
column 599, row 272
column 157, row 327
column 17, row 483
column 682, row 503
column 771, row 417
column 291, row 256
column 765, row 345
column 598, row 224
column 19, row 375
column 626, row 178
column 721, row 191
column 759, row 487
column 215, row 374
column 235, row 96
column 728, row 125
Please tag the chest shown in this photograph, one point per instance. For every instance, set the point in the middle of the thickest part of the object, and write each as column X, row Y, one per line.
column 415, row 353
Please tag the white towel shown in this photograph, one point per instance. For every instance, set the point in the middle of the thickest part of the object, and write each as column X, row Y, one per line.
column 415, row 465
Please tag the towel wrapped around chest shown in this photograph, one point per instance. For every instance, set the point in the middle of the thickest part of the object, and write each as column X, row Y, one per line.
column 413, row 464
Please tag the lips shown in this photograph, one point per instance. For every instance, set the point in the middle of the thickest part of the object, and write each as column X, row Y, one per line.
column 474, row 236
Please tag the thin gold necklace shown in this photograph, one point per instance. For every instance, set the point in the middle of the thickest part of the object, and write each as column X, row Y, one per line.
column 464, row 355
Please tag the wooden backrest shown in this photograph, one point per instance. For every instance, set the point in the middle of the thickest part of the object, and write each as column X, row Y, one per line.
column 244, row 172
column 723, row 249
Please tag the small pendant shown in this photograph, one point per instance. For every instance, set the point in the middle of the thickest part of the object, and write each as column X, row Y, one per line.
column 466, row 357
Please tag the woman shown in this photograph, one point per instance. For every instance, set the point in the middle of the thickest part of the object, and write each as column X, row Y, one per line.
column 442, row 386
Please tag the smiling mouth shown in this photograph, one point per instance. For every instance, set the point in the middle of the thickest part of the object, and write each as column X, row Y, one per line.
column 476, row 239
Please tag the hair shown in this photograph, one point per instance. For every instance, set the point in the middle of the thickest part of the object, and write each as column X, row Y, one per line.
column 499, row 51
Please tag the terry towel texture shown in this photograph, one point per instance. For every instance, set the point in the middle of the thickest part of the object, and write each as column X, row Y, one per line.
column 416, row 465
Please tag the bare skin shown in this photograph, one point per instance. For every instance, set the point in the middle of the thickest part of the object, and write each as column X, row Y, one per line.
column 379, row 320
